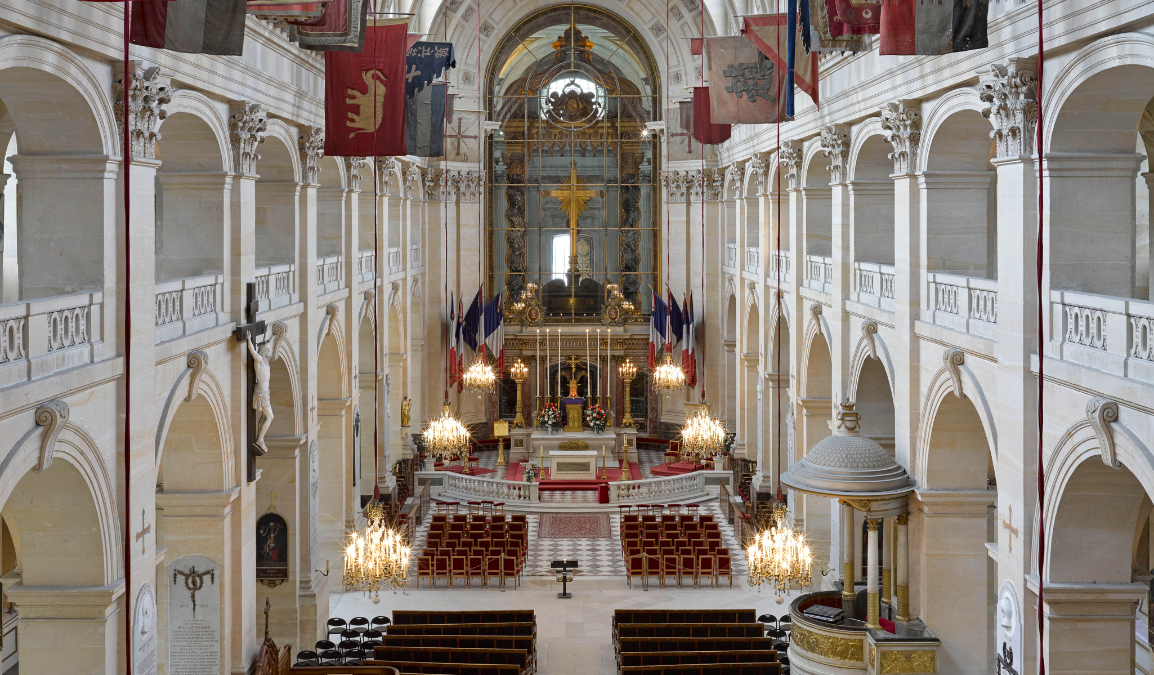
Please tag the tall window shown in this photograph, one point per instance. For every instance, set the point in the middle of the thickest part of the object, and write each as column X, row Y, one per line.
column 560, row 256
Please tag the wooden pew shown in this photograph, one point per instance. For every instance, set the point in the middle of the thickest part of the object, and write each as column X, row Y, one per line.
column 687, row 630
column 688, row 645
column 468, row 642
column 342, row 670
column 710, row 669
column 519, row 629
column 405, row 618
column 515, row 657
column 695, row 658
column 684, row 616
column 446, row 668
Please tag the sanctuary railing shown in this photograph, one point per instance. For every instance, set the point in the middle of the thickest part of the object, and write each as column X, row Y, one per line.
column 672, row 487
column 185, row 306
column 461, row 485
column 967, row 304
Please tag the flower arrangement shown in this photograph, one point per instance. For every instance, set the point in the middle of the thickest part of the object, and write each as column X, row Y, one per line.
column 730, row 439
column 549, row 416
column 530, row 473
column 597, row 418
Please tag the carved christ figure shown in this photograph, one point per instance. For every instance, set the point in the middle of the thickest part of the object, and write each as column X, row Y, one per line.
column 261, row 400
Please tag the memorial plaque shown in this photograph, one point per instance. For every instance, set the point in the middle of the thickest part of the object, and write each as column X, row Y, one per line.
column 314, row 502
column 144, row 632
column 193, row 616
column 356, row 444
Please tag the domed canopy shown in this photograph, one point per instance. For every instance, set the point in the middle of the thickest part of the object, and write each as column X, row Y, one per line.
column 848, row 464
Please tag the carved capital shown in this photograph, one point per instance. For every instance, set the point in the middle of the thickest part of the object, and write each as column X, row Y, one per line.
column 757, row 171
column 903, row 127
column 412, row 180
column 953, row 359
column 835, row 146
column 1100, row 412
column 353, row 168
column 676, row 185
column 470, row 184
column 385, row 168
column 789, row 158
column 735, row 176
column 52, row 415
column 714, row 184
column 440, row 184
column 312, row 148
column 149, row 91
column 1010, row 93
column 246, row 130
column 197, row 360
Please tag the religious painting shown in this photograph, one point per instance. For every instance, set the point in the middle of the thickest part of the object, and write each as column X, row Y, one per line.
column 573, row 202
column 272, row 548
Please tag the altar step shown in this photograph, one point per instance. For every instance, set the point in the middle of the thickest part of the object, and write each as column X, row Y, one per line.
column 677, row 469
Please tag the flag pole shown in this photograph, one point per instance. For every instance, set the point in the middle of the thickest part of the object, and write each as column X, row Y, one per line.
column 127, row 164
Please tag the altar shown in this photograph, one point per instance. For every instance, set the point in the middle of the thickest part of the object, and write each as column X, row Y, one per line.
column 573, row 464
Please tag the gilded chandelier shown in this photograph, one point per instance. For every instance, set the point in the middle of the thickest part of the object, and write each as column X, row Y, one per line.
column 378, row 558
column 779, row 556
column 703, row 434
column 668, row 376
column 479, row 376
column 445, row 436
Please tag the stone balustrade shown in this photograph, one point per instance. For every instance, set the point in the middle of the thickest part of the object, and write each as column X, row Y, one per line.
column 874, row 285
column 329, row 277
column 819, row 273
column 186, row 306
column 460, row 485
column 275, row 286
column 966, row 304
column 41, row 337
column 685, row 486
column 1107, row 333
column 415, row 256
column 366, row 261
column 780, row 261
column 394, row 260
column 752, row 259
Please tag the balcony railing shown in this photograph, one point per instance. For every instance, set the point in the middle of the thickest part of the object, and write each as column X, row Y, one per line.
column 394, row 260
column 779, row 260
column 752, row 259
column 366, row 262
column 819, row 273
column 329, row 277
column 968, row 304
column 874, row 285
column 41, row 337
column 1104, row 332
column 186, row 306
column 276, row 286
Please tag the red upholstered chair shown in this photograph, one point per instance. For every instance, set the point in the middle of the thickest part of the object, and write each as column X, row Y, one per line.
column 648, row 518
column 497, row 519
column 459, row 568
column 669, row 567
column 518, row 518
column 510, row 569
column 492, row 569
column 631, row 518
column 705, row 518
column 653, row 567
column 476, row 563
column 724, row 569
column 688, row 567
column 693, row 509
column 440, row 518
column 441, row 569
column 712, row 545
column 499, row 508
column 425, row 569
column 634, row 567
column 707, row 566
column 624, row 510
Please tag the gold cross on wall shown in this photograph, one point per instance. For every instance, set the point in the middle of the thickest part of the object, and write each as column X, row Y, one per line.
column 1008, row 524
column 145, row 530
column 572, row 199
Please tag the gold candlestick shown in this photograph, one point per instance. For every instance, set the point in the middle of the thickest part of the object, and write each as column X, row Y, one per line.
column 628, row 371
column 604, row 471
column 519, row 371
column 501, row 461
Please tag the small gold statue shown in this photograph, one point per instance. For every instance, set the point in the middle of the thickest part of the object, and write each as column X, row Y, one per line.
column 406, row 407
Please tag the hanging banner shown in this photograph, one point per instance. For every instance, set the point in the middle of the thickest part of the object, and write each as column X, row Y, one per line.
column 365, row 96
column 830, row 33
column 425, row 62
column 704, row 130
column 340, row 29
column 770, row 33
column 746, row 86
column 190, row 26
column 425, row 121
column 296, row 11
column 933, row 28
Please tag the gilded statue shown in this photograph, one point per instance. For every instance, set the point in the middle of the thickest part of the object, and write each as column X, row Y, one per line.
column 406, row 408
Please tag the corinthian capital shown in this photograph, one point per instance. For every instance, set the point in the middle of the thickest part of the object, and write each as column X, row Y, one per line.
column 471, row 184
column 676, row 185
column 246, row 130
column 835, row 146
column 353, row 168
column 312, row 147
column 1010, row 93
column 903, row 127
column 149, row 91
column 789, row 157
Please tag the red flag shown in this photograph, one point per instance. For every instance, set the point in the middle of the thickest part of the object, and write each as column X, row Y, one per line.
column 365, row 96
column 190, row 26
column 768, row 32
column 932, row 28
column 704, row 130
column 695, row 46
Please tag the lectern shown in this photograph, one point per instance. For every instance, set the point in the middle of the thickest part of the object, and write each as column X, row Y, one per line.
column 564, row 575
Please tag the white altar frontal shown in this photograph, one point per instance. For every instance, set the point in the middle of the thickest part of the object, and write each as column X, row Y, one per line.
column 535, row 445
column 573, row 464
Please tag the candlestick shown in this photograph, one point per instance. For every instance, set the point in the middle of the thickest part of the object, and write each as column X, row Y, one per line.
column 559, row 361
column 588, row 378
column 547, row 365
column 600, row 373
column 537, row 377
column 609, row 373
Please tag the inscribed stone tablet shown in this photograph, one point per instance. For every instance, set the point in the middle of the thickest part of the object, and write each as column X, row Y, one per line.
column 193, row 616
column 144, row 632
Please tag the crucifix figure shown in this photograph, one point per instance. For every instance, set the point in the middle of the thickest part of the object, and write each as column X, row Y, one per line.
column 573, row 202
column 244, row 333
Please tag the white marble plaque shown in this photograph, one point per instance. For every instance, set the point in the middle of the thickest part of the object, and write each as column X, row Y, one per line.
column 144, row 632
column 314, row 501
column 193, row 616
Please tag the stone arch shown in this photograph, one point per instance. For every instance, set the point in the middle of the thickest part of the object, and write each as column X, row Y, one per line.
column 176, row 129
column 208, row 389
column 862, row 353
column 817, row 363
column 194, row 455
column 277, row 196
column 44, row 70
column 972, row 421
column 731, row 315
column 871, row 195
column 331, row 208
column 279, row 131
column 868, row 151
column 950, row 132
column 332, row 364
column 816, row 207
column 814, row 168
column 285, row 393
column 871, row 388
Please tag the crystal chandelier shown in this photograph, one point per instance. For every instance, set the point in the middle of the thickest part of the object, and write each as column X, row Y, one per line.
column 668, row 376
column 377, row 558
column 445, row 435
column 703, row 434
column 479, row 376
column 779, row 556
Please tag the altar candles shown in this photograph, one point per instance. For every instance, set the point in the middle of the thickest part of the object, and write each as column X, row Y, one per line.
column 609, row 372
column 601, row 378
column 546, row 363
column 538, row 378
column 559, row 361
column 588, row 372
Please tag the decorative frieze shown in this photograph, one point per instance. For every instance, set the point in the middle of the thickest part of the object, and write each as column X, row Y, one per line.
column 835, row 146
column 149, row 92
column 246, row 130
column 353, row 168
column 903, row 127
column 789, row 158
column 1010, row 93
column 312, row 147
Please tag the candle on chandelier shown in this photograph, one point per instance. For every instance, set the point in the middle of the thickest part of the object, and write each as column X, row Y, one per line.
column 588, row 380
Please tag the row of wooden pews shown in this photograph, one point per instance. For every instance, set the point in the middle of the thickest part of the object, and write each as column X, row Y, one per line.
column 460, row 643
column 692, row 642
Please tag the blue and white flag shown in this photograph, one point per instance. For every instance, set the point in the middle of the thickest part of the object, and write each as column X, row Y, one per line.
column 425, row 62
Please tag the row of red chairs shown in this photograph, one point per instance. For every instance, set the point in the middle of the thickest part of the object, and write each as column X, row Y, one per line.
column 680, row 566
column 469, row 567
column 628, row 528
column 689, row 538
column 627, row 519
column 658, row 509
column 478, row 517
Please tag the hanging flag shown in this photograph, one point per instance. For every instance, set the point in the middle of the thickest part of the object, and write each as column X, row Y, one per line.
column 365, row 97
column 425, row 121
column 460, row 348
column 695, row 45
column 770, row 33
column 704, row 130
column 472, row 322
column 688, row 346
column 453, row 332
column 930, row 29
column 830, row 33
column 495, row 330
column 190, row 26
column 751, row 91
column 679, row 132
column 295, row 11
column 341, row 28
column 425, row 62
column 657, row 328
column 675, row 320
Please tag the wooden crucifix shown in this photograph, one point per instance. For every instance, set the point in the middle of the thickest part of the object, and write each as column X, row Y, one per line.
column 248, row 333
column 573, row 200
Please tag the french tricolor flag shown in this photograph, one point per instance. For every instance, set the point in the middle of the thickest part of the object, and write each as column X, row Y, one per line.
column 689, row 344
column 658, row 324
column 495, row 330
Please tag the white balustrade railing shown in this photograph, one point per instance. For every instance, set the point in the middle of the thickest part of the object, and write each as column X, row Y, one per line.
column 874, row 285
column 819, row 273
column 460, row 485
column 329, row 277
column 967, row 304
column 185, row 306
column 752, row 259
column 673, row 487
column 367, row 260
column 275, row 286
column 731, row 255
column 41, row 337
column 394, row 260
column 779, row 260
column 1104, row 332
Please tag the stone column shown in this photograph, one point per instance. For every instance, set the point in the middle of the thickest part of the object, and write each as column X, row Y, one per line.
column 848, row 558
column 1090, row 627
column 872, row 606
column 835, row 146
column 902, row 567
column 887, row 558
column 85, row 618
